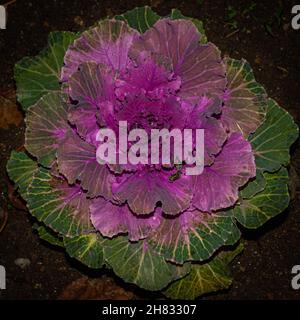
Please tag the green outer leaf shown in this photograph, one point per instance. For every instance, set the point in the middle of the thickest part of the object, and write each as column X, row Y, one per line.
column 48, row 235
column 176, row 14
column 39, row 75
column 254, row 212
column 182, row 270
column 44, row 120
column 228, row 254
column 199, row 242
column 204, row 278
column 47, row 204
column 140, row 18
column 138, row 264
column 253, row 187
column 234, row 235
column 272, row 140
column 245, row 106
column 87, row 248
column 21, row 169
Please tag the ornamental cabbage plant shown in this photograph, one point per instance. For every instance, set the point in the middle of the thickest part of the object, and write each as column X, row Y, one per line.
column 153, row 225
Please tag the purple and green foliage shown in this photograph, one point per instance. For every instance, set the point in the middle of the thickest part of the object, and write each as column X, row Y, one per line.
column 176, row 235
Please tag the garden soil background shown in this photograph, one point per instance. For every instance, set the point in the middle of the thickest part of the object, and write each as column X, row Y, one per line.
column 261, row 33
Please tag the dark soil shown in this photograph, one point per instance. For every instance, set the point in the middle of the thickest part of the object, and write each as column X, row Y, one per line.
column 262, row 34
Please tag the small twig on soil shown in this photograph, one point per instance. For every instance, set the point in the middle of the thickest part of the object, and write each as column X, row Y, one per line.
column 9, row 3
column 14, row 200
column 21, row 148
column 232, row 33
column 282, row 69
column 4, row 220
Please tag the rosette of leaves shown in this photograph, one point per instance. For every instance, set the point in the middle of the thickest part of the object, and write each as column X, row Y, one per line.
column 153, row 226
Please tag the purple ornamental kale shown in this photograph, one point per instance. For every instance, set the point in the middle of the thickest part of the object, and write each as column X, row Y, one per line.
column 163, row 78
column 148, row 221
